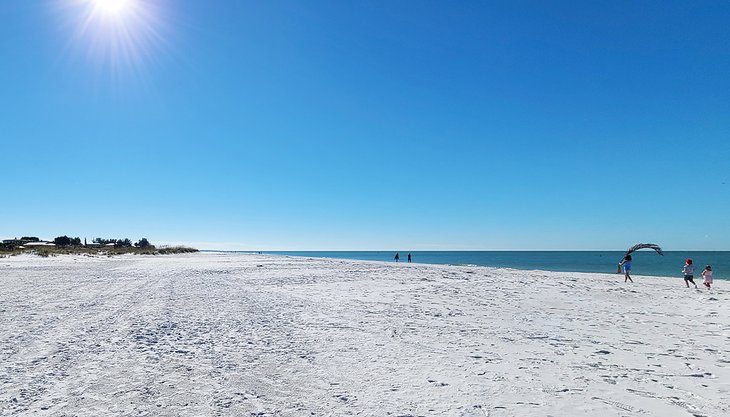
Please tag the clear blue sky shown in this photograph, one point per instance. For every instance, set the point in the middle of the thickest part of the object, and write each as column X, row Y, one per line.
column 368, row 125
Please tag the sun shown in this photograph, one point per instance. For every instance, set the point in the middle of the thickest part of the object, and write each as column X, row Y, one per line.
column 113, row 7
column 122, row 38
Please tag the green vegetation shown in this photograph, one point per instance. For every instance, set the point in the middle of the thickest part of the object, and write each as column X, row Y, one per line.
column 65, row 245
column 175, row 249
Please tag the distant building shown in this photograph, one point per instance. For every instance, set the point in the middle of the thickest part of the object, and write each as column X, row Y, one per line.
column 23, row 242
column 36, row 244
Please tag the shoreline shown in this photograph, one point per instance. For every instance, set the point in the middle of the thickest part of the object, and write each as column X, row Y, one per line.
column 526, row 269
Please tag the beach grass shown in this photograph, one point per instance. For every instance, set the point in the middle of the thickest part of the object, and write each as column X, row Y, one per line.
column 104, row 251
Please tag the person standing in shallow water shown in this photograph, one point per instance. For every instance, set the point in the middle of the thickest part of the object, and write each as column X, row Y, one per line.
column 626, row 264
column 689, row 273
column 409, row 258
column 397, row 256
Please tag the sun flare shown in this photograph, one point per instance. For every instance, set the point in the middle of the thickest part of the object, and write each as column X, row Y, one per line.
column 120, row 37
column 112, row 7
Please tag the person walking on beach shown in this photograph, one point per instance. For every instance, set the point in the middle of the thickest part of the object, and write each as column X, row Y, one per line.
column 397, row 256
column 409, row 258
column 689, row 273
column 707, row 277
column 626, row 264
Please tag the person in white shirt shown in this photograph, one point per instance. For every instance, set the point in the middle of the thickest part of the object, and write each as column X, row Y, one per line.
column 707, row 275
column 688, row 271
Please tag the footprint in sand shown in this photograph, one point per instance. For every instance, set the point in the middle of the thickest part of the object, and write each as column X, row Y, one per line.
column 474, row 411
column 620, row 406
column 646, row 394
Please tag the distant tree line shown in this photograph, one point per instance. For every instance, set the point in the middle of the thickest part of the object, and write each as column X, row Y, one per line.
column 67, row 241
column 123, row 243
column 119, row 243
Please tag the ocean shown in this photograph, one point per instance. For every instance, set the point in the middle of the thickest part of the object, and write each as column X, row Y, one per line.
column 646, row 262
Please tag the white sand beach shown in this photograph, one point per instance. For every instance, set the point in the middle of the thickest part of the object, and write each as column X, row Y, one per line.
column 239, row 335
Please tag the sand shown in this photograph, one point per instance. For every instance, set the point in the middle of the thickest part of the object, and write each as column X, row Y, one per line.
column 250, row 335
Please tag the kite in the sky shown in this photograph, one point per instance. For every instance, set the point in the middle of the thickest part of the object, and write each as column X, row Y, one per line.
column 644, row 246
column 633, row 249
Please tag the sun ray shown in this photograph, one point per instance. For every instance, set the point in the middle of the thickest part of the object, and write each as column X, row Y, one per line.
column 120, row 37
column 113, row 7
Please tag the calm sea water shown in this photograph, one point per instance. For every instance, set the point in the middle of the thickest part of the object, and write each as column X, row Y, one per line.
column 645, row 262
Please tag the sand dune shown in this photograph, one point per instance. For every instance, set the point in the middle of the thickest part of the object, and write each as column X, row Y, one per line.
column 241, row 335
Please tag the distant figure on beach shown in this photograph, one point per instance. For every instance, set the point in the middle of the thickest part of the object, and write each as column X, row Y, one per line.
column 409, row 258
column 707, row 277
column 397, row 256
column 688, row 271
column 626, row 264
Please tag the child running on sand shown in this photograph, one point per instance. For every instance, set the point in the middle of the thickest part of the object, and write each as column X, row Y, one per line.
column 626, row 264
column 707, row 275
column 688, row 272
